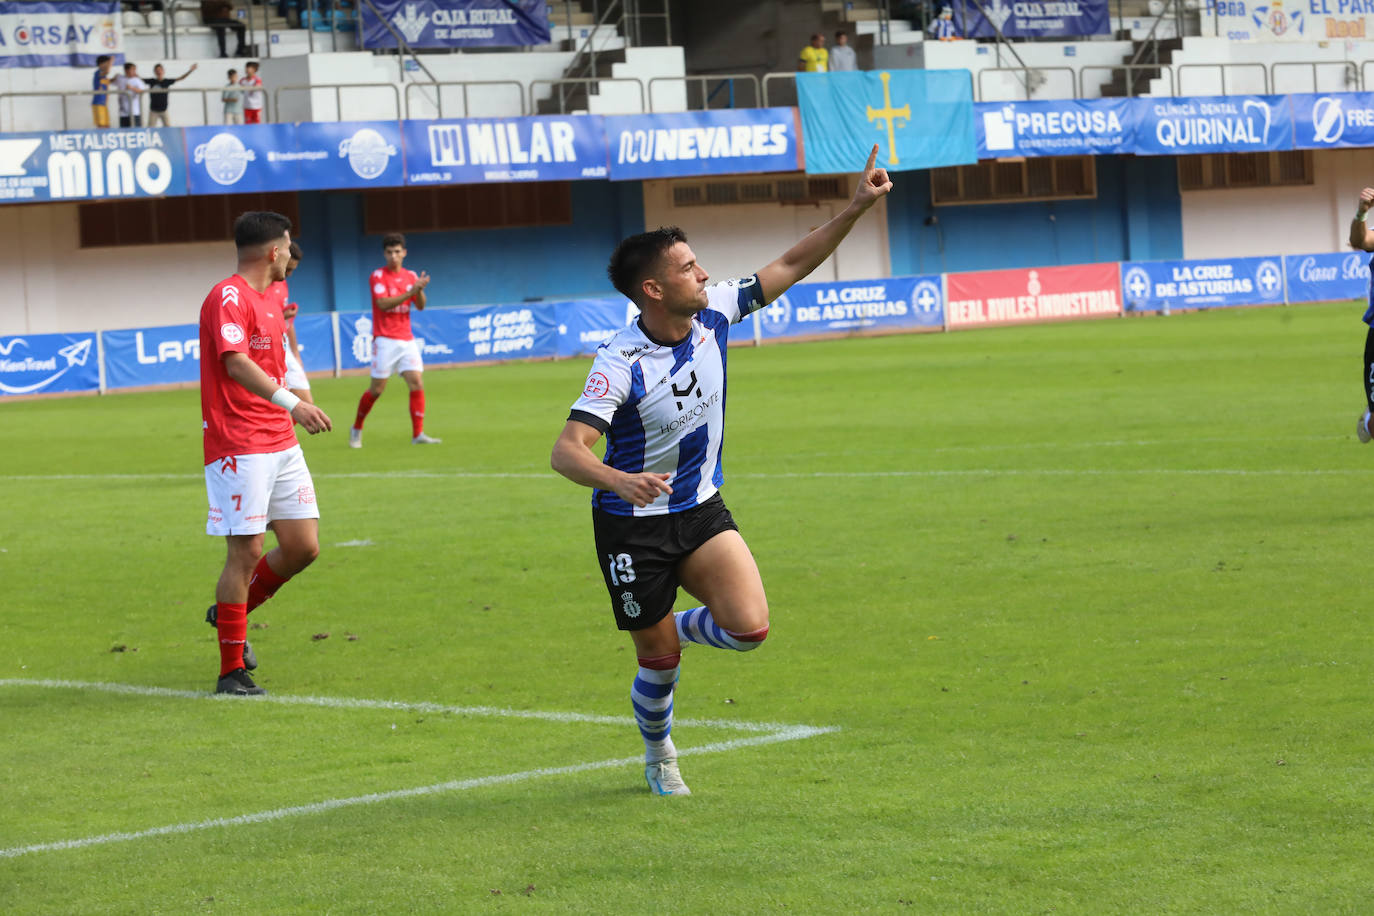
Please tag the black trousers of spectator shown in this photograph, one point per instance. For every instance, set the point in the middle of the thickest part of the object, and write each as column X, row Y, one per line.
column 131, row 120
column 219, row 25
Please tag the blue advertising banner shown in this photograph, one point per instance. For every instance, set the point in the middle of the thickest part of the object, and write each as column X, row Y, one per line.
column 585, row 324
column 1031, row 18
column 315, row 339
column 1068, row 127
column 289, row 157
column 42, row 363
column 454, row 335
column 1333, row 120
column 1326, row 277
column 90, row 164
column 920, row 119
column 1219, row 124
column 456, row 23
column 1150, row 286
column 135, row 357
column 730, row 141
column 476, row 150
column 856, row 305
column 37, row 34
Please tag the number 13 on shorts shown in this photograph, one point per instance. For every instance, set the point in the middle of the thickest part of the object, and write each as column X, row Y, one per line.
column 621, row 568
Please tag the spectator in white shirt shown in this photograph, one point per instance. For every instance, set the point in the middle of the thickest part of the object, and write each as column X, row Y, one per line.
column 842, row 56
column 131, row 87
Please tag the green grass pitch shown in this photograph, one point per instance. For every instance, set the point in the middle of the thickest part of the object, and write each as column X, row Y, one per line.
column 1086, row 606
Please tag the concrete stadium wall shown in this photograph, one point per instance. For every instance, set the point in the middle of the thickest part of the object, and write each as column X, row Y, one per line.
column 1241, row 222
column 1135, row 216
column 63, row 287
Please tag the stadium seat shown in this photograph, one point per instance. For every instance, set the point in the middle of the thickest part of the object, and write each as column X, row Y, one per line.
column 155, row 19
column 185, row 17
column 133, row 19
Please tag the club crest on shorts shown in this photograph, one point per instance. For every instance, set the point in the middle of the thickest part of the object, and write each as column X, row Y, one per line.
column 629, row 606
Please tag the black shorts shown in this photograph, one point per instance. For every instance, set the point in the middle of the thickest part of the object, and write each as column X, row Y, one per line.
column 1369, row 368
column 638, row 556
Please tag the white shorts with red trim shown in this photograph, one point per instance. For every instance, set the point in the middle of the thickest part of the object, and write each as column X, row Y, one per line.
column 295, row 378
column 246, row 492
column 390, row 355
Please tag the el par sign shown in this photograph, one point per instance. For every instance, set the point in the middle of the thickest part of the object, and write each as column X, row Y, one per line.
column 92, row 164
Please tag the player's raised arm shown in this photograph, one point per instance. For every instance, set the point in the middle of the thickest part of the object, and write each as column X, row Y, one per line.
column 249, row 374
column 805, row 256
column 1361, row 236
column 574, row 459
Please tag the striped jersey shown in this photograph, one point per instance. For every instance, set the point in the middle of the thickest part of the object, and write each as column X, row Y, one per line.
column 1369, row 310
column 661, row 405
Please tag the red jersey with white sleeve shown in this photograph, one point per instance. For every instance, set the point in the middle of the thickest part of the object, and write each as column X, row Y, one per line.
column 235, row 318
column 278, row 293
column 393, row 323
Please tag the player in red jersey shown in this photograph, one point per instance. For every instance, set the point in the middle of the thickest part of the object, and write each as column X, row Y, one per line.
column 394, row 349
column 255, row 474
column 296, row 379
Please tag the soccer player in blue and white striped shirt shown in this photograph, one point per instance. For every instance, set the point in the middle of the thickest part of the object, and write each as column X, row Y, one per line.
column 656, row 391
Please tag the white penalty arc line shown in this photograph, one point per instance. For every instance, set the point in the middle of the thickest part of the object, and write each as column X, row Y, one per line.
column 773, row 734
column 773, row 475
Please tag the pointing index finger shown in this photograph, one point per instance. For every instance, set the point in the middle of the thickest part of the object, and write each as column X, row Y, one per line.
column 872, row 158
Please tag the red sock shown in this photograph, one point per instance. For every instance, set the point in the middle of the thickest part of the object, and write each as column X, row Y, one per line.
column 364, row 405
column 263, row 585
column 417, row 412
column 232, row 622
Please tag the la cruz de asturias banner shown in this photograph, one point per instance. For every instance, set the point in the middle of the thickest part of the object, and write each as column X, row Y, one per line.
column 456, row 23
column 1155, row 285
column 1309, row 20
column 43, row 363
column 1326, row 277
column 477, row 150
column 1023, row 295
column 1031, row 18
column 897, row 303
column 58, row 34
column 1069, row 127
column 723, row 142
column 1213, row 124
column 91, row 164
column 920, row 119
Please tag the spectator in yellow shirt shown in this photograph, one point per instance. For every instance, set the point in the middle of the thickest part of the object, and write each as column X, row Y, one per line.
column 814, row 58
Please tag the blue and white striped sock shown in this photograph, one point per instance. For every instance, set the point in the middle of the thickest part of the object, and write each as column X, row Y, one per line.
column 652, row 699
column 698, row 626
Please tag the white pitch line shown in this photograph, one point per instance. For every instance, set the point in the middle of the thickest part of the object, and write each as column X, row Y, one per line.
column 768, row 733
column 769, row 475
column 792, row 733
column 493, row 712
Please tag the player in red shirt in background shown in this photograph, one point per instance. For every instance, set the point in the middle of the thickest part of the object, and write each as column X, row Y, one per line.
column 296, row 379
column 255, row 474
column 394, row 349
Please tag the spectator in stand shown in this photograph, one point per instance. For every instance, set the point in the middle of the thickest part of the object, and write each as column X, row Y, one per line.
column 814, row 58
column 219, row 15
column 232, row 97
column 157, row 94
column 842, row 56
column 131, row 87
column 100, row 82
column 943, row 28
column 253, row 96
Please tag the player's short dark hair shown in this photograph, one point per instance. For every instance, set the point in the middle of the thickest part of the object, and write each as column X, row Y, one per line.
column 258, row 227
column 841, row 33
column 393, row 238
column 252, row 63
column 102, row 58
column 296, row 252
column 129, row 65
column 637, row 256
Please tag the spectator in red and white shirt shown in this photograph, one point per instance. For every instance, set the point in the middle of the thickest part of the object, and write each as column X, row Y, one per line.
column 253, row 97
column 394, row 349
column 255, row 474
